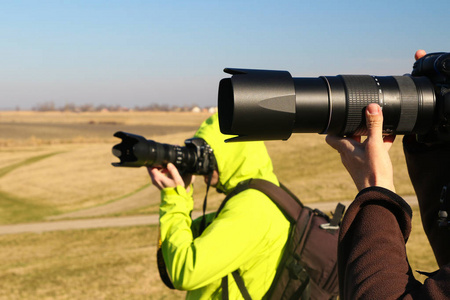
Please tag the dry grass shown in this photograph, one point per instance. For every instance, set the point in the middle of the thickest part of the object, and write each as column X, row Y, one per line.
column 172, row 119
column 54, row 163
column 87, row 264
column 313, row 170
column 61, row 162
column 48, row 161
column 50, row 128
column 80, row 177
column 117, row 263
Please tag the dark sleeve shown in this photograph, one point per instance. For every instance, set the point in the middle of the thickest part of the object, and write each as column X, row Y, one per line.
column 372, row 258
column 429, row 170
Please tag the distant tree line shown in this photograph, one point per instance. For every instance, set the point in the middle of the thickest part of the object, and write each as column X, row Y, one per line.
column 71, row 107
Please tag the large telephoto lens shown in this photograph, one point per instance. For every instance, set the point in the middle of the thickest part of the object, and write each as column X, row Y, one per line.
column 271, row 105
column 136, row 151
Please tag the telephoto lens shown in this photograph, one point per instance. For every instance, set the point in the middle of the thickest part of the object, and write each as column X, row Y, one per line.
column 271, row 105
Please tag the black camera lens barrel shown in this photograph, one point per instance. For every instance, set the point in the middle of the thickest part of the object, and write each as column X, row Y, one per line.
column 157, row 154
column 270, row 105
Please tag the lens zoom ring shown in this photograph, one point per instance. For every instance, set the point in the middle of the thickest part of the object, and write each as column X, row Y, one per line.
column 361, row 91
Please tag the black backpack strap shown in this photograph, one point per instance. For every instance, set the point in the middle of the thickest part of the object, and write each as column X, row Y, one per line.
column 239, row 282
column 282, row 197
column 290, row 193
column 293, row 209
column 243, row 185
column 162, row 267
column 225, row 295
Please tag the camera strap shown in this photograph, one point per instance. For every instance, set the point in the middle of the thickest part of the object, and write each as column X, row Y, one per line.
column 203, row 222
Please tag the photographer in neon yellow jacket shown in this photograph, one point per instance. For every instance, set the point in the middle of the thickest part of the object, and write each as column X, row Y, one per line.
column 247, row 235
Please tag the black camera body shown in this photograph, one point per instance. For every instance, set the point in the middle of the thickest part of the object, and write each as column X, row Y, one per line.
column 271, row 105
column 196, row 157
column 436, row 67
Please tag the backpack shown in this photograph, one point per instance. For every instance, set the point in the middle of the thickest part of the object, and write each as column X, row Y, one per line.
column 308, row 268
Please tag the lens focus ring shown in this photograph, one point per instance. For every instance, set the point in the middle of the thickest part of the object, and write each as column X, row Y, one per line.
column 361, row 91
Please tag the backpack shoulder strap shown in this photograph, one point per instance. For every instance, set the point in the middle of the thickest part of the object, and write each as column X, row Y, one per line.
column 243, row 185
column 286, row 201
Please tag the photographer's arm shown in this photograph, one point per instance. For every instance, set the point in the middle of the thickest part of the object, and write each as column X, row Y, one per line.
column 372, row 256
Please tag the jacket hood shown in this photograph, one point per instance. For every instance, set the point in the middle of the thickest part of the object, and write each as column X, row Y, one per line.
column 236, row 161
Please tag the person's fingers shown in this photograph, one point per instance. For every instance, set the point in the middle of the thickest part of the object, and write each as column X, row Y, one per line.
column 173, row 171
column 374, row 122
column 419, row 54
column 156, row 176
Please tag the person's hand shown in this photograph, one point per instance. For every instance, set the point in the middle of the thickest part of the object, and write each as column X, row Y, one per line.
column 368, row 162
column 169, row 177
column 419, row 54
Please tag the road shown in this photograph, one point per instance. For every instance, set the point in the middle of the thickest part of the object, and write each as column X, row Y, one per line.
column 90, row 223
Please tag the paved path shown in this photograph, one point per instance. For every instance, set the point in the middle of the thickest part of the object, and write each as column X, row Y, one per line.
column 82, row 224
column 129, row 221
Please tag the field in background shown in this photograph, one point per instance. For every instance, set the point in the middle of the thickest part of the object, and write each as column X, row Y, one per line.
column 58, row 165
column 111, row 263
column 55, row 163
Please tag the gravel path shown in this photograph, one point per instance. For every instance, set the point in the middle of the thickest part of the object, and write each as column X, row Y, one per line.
column 128, row 221
column 140, row 199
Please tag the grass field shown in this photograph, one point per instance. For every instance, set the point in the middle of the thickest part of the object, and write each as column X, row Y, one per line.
column 114, row 263
column 117, row 263
column 58, row 165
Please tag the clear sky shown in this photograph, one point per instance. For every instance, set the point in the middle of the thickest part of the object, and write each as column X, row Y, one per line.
column 141, row 52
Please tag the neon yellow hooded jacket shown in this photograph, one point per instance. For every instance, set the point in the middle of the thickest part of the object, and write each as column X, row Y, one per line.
column 249, row 234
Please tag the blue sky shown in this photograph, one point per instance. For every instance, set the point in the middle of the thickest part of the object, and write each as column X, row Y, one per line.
column 141, row 52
